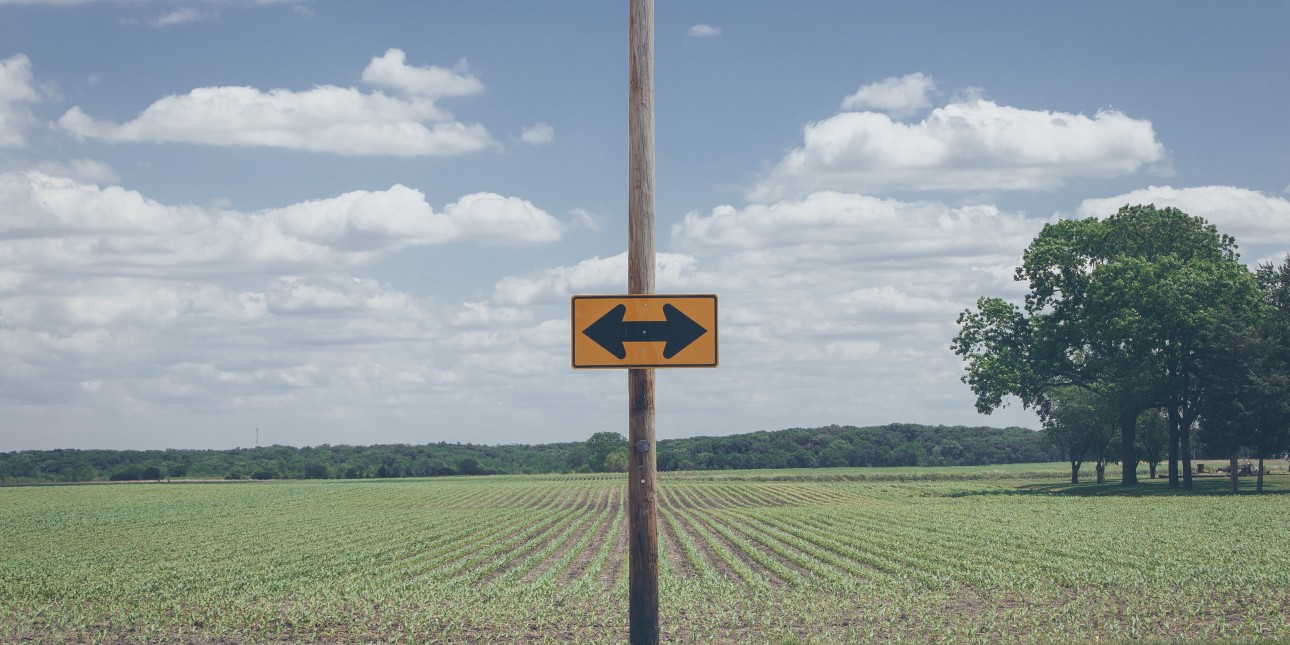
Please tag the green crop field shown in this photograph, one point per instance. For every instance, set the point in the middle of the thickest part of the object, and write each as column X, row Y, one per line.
column 917, row 555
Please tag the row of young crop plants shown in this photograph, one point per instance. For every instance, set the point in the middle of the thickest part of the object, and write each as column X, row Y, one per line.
column 566, row 534
column 756, row 534
column 551, row 551
column 571, row 533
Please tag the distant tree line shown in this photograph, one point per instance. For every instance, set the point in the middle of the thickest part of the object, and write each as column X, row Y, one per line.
column 1142, row 335
column 891, row 445
column 834, row 446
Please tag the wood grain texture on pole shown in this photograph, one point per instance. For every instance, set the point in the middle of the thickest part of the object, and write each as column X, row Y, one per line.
column 640, row 170
column 642, row 497
column 642, row 516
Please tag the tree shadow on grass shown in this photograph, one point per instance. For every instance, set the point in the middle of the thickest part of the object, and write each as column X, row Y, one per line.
column 1202, row 486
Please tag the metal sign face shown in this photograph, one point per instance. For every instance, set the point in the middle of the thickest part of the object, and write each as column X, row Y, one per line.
column 644, row 331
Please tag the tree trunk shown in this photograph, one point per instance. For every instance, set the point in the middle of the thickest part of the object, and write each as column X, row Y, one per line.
column 1101, row 472
column 1173, row 446
column 1258, row 486
column 1075, row 472
column 1232, row 476
column 1185, row 433
column 1129, row 456
column 1152, row 466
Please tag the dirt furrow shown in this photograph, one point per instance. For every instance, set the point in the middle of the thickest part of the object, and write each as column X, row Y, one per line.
column 714, row 561
column 614, row 569
column 571, row 539
column 671, row 545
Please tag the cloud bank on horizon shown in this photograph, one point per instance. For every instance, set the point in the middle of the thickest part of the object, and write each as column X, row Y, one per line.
column 132, row 320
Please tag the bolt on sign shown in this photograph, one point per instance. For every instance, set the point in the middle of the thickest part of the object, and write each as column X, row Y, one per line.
column 644, row 331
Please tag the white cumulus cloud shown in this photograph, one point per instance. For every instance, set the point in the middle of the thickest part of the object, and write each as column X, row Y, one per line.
column 538, row 134
column 392, row 71
column 704, row 31
column 87, row 170
column 896, row 95
column 673, row 271
column 118, row 303
column 325, row 118
column 970, row 145
column 181, row 17
column 835, row 307
column 1260, row 223
column 66, row 225
column 849, row 225
column 16, row 90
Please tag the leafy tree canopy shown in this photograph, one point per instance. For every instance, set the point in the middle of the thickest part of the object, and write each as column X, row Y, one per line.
column 1118, row 306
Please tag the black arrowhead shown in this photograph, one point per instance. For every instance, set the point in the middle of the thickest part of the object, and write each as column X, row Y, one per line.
column 608, row 332
column 677, row 330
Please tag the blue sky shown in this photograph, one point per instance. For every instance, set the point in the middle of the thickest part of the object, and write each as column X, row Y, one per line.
column 362, row 222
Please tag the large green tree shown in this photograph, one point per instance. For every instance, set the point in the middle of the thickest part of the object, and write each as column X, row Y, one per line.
column 1119, row 307
column 1272, row 439
column 603, row 452
column 1233, row 393
column 1153, row 435
column 1080, row 423
column 1245, row 402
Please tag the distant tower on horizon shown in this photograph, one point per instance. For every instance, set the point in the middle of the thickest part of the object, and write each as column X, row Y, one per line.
column 257, row 437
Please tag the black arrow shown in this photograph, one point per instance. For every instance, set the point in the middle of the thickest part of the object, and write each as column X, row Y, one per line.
column 677, row 330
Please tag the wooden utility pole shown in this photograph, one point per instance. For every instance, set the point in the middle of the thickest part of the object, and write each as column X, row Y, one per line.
column 642, row 496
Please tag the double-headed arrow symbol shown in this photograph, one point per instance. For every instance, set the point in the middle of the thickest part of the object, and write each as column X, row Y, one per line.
column 677, row 330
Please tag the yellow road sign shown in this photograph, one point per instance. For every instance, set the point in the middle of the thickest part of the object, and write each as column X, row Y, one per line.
column 644, row 331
